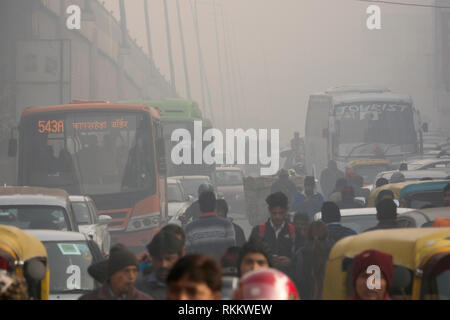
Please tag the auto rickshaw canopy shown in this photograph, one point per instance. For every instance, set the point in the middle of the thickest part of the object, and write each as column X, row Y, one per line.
column 411, row 248
column 396, row 188
column 21, row 245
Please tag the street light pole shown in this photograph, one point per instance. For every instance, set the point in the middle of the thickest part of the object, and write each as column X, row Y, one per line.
column 169, row 49
column 219, row 62
column 183, row 51
column 147, row 24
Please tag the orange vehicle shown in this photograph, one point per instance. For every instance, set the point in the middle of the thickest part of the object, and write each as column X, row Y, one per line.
column 113, row 153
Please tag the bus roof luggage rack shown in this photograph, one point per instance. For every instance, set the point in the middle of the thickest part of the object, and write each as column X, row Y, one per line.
column 362, row 88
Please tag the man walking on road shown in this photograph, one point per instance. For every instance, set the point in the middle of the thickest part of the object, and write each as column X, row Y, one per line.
column 209, row 234
column 328, row 178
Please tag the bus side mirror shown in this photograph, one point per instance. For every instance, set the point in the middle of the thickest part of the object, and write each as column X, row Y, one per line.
column 12, row 148
column 425, row 127
column 325, row 133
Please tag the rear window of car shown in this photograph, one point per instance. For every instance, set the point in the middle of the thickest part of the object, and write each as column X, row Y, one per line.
column 35, row 217
column 68, row 263
column 359, row 223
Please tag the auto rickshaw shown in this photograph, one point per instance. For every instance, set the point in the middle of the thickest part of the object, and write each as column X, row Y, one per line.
column 413, row 194
column 421, row 263
column 26, row 256
column 368, row 168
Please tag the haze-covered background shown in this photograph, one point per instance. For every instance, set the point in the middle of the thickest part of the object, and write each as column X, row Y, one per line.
column 288, row 49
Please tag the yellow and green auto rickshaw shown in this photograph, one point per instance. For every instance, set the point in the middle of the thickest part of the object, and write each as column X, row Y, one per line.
column 413, row 194
column 26, row 256
column 421, row 258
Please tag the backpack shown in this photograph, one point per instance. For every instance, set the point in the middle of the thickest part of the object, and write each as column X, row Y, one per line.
column 262, row 231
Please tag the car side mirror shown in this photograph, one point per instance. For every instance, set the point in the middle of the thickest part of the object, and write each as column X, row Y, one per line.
column 361, row 199
column 104, row 219
column 397, row 202
column 425, row 127
column 35, row 269
column 12, row 148
column 189, row 198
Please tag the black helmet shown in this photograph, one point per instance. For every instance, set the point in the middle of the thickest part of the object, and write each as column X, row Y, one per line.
column 205, row 187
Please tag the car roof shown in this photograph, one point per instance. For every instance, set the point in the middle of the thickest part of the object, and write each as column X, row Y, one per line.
column 173, row 180
column 429, row 160
column 409, row 174
column 54, row 235
column 433, row 213
column 74, row 198
column 33, row 196
column 363, row 212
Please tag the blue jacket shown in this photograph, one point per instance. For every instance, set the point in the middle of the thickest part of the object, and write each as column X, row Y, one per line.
column 311, row 207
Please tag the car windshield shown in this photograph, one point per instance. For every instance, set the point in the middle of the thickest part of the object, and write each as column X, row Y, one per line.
column 229, row 178
column 35, row 217
column 81, row 213
column 386, row 126
column 69, row 262
column 174, row 193
column 191, row 185
column 359, row 223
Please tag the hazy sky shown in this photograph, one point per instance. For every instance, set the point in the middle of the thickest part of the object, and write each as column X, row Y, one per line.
column 284, row 50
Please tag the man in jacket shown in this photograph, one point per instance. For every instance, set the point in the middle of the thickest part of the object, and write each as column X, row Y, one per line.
column 328, row 178
column 386, row 215
column 331, row 216
column 165, row 249
column 279, row 234
column 308, row 201
column 122, row 271
column 285, row 185
column 209, row 234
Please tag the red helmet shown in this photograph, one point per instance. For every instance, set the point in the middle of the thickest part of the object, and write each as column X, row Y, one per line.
column 266, row 284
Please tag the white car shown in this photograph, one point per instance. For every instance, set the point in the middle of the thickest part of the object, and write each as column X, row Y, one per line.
column 429, row 163
column 191, row 183
column 178, row 200
column 69, row 256
column 362, row 219
column 90, row 223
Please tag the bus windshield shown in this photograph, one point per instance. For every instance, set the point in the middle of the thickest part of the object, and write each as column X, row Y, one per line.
column 362, row 128
column 88, row 152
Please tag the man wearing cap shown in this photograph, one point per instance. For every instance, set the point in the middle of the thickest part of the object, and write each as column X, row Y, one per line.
column 308, row 201
column 121, row 271
column 361, row 264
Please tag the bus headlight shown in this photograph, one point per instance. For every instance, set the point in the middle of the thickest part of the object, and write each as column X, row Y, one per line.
column 147, row 221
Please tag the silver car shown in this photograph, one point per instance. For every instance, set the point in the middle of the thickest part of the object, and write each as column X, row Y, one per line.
column 362, row 219
column 90, row 223
column 69, row 256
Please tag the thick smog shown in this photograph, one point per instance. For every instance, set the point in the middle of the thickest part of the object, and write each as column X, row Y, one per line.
column 224, row 150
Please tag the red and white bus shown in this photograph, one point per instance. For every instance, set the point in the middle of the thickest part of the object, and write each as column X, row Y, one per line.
column 113, row 153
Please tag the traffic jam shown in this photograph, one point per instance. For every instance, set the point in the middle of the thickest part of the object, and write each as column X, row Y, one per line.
column 195, row 150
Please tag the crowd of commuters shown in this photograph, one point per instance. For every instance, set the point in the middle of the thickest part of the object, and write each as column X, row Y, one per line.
column 211, row 259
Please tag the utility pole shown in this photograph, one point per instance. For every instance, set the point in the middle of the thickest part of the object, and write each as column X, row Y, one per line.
column 200, row 58
column 169, row 49
column 219, row 62
column 228, row 72
column 183, row 51
column 123, row 24
column 147, row 25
